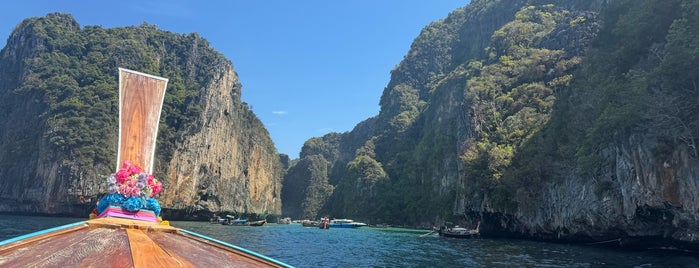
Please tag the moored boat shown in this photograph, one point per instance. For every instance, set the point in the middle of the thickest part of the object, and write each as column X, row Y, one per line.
column 460, row 232
column 345, row 223
column 232, row 220
column 236, row 222
column 257, row 223
column 309, row 223
column 217, row 220
column 126, row 229
column 242, row 222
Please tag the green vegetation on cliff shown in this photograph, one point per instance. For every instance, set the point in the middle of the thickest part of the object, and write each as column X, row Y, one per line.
column 637, row 81
column 513, row 94
column 73, row 73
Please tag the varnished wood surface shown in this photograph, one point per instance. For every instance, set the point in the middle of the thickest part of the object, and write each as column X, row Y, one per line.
column 146, row 253
column 207, row 253
column 140, row 102
column 80, row 247
column 117, row 223
column 116, row 242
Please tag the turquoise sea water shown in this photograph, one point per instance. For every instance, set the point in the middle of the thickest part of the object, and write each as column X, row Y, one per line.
column 392, row 247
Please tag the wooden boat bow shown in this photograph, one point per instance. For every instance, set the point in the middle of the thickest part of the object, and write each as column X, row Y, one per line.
column 116, row 242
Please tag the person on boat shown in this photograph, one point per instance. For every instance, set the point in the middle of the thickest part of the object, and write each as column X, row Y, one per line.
column 325, row 222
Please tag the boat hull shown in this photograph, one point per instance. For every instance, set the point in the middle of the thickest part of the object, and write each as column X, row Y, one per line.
column 459, row 235
column 244, row 223
column 346, row 225
column 460, row 232
column 257, row 223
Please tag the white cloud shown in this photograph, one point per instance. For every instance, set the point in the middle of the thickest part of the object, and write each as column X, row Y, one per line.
column 280, row 112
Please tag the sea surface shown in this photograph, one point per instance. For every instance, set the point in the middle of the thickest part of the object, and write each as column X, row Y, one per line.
column 392, row 247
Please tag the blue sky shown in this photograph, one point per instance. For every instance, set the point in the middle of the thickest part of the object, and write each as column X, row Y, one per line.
column 307, row 67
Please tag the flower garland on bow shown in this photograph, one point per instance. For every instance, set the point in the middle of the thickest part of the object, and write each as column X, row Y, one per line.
column 132, row 189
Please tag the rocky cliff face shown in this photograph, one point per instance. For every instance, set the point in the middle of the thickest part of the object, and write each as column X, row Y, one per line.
column 548, row 120
column 640, row 201
column 58, row 89
column 225, row 165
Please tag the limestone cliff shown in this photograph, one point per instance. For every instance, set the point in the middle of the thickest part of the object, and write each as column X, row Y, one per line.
column 58, row 92
column 560, row 120
column 224, row 165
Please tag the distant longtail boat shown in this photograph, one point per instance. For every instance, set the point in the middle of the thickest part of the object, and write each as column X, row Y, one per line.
column 127, row 231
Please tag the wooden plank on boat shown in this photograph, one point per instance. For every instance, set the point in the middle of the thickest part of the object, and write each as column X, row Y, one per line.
column 83, row 247
column 204, row 253
column 180, row 245
column 140, row 103
column 146, row 253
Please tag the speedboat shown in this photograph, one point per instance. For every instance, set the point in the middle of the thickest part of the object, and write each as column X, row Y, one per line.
column 345, row 223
